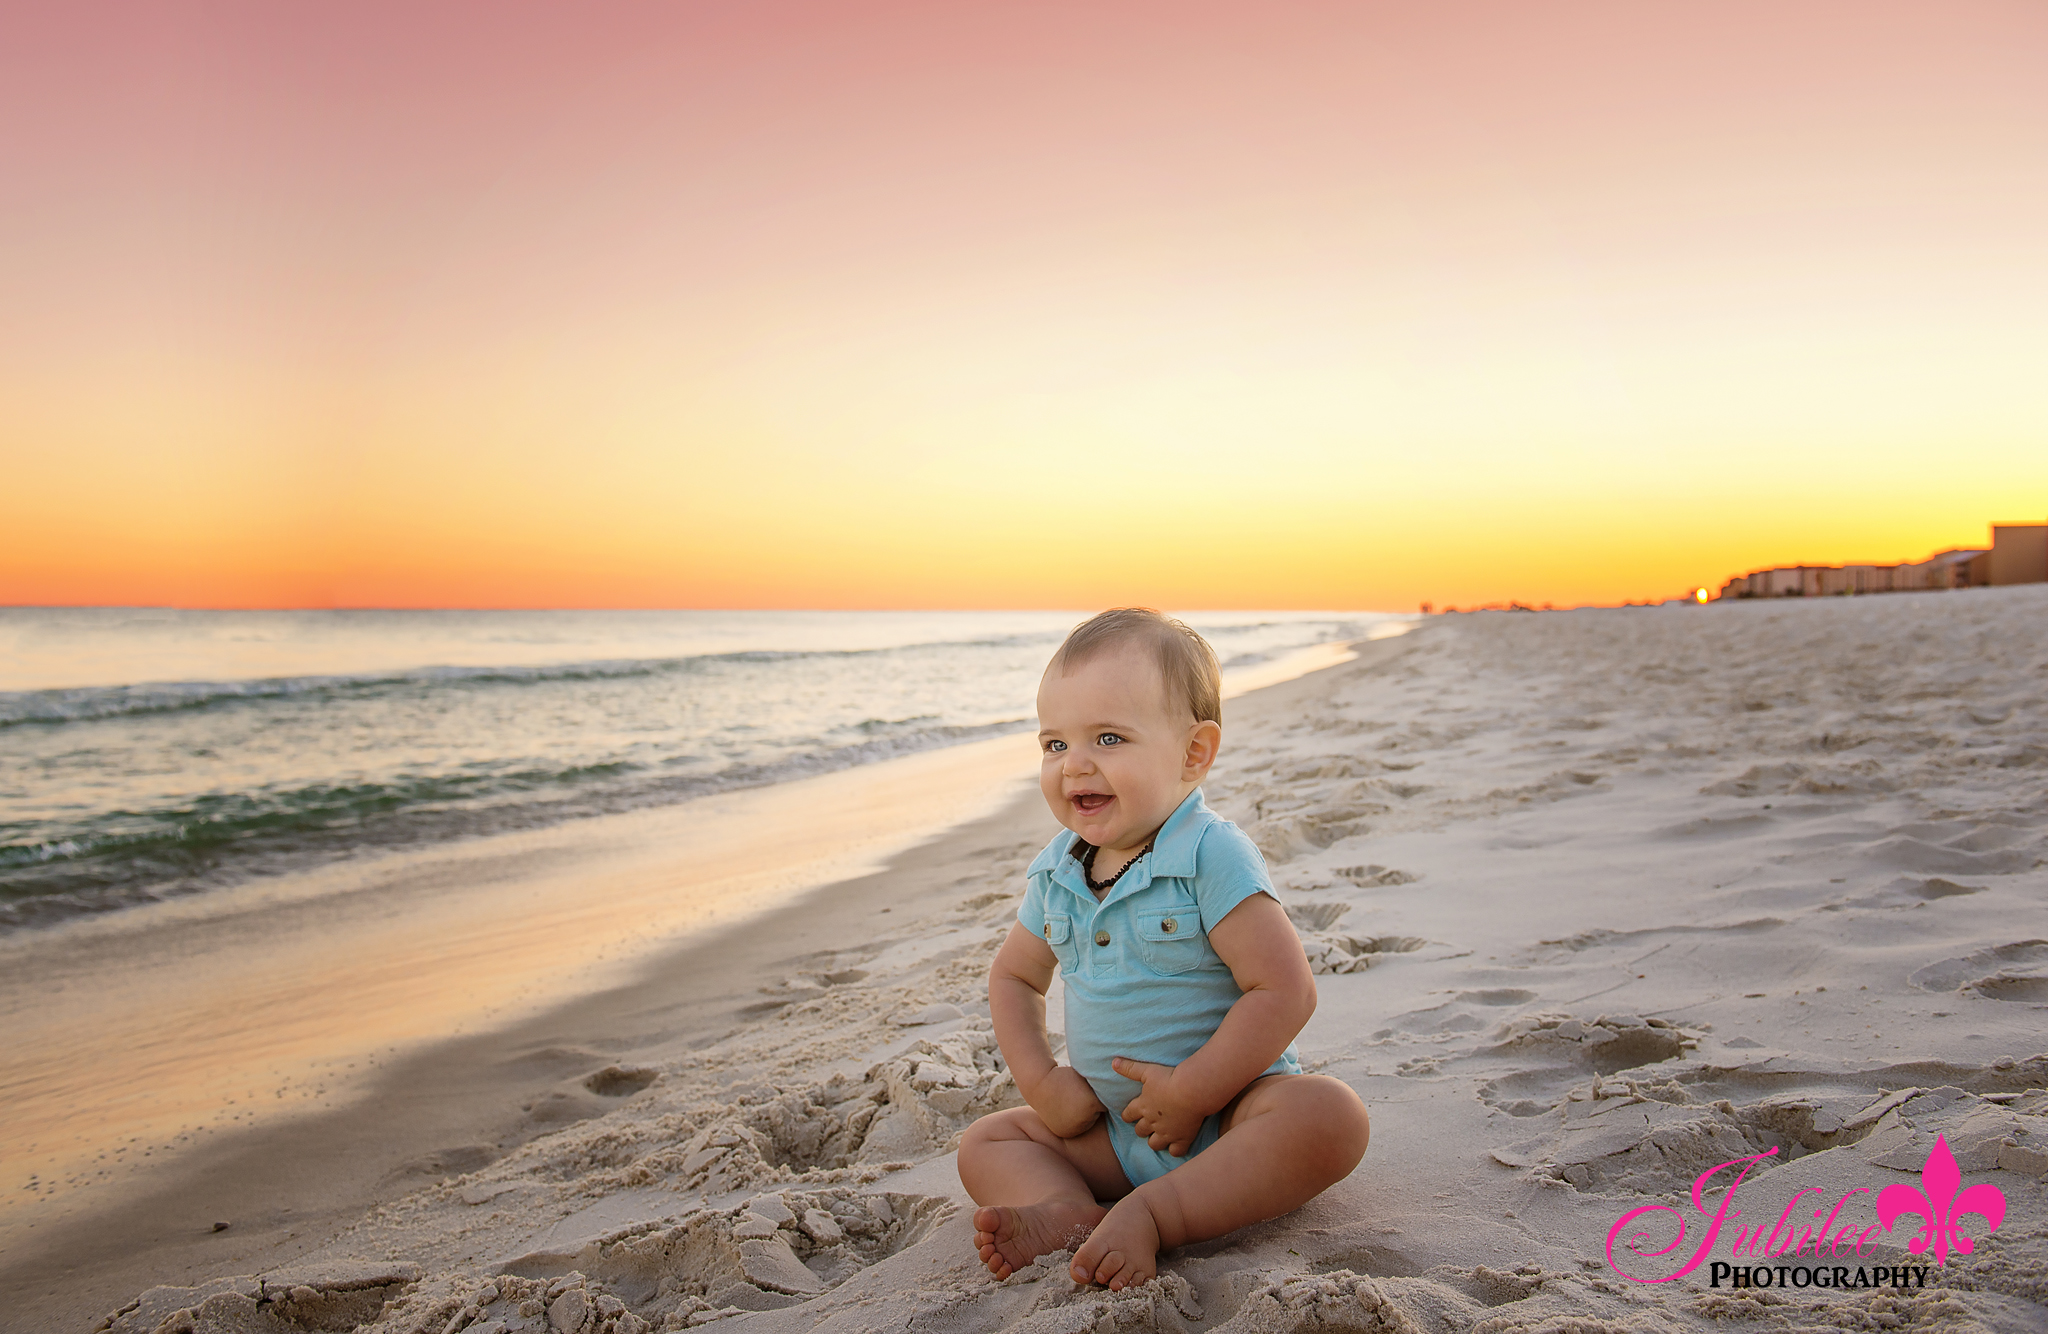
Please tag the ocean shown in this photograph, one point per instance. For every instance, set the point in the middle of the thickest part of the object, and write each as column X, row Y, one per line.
column 146, row 753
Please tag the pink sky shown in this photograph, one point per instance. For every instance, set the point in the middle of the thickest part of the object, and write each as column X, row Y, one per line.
column 375, row 293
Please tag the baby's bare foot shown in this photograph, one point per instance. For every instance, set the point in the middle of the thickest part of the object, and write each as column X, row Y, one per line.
column 1009, row 1238
column 1123, row 1251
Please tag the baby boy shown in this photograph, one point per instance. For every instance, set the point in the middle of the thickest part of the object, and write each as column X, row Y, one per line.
column 1185, row 987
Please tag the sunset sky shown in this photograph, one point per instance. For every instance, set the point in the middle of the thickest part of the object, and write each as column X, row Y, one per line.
column 1010, row 305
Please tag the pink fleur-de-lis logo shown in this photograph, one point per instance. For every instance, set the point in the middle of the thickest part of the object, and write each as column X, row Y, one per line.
column 1941, row 1205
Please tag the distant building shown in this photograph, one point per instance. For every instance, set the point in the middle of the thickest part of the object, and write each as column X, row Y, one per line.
column 2018, row 554
column 1951, row 569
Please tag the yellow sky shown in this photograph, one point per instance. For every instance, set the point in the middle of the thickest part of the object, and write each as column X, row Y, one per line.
column 1040, row 306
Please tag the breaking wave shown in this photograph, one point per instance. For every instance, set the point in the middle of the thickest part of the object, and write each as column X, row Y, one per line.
column 124, row 858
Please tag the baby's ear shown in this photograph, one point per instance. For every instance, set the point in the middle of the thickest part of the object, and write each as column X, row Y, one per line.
column 1205, row 739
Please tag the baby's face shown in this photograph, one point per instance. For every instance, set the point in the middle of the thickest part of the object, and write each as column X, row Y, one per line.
column 1117, row 754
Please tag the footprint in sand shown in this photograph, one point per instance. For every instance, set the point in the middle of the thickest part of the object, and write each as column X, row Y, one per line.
column 1609, row 1044
column 1316, row 916
column 619, row 1081
column 450, row 1162
column 1329, row 952
column 1372, row 877
column 1497, row 996
column 2015, row 972
column 1911, row 891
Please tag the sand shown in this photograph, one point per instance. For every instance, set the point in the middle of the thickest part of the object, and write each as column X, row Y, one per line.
column 1598, row 900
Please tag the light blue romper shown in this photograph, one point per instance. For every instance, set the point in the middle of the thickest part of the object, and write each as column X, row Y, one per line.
column 1141, row 978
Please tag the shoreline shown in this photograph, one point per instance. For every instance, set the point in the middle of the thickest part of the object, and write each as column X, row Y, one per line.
column 456, row 1103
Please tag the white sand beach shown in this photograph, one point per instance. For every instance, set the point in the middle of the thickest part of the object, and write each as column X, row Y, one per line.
column 1598, row 900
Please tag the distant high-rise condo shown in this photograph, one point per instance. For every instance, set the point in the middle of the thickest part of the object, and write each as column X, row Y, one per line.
column 2019, row 553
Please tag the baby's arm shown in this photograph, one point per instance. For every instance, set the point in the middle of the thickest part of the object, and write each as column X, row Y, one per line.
column 1016, row 1003
column 1257, row 943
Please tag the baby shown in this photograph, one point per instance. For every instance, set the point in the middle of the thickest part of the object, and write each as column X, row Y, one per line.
column 1185, row 987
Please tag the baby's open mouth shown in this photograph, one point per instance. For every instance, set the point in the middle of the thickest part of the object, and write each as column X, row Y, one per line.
column 1088, row 803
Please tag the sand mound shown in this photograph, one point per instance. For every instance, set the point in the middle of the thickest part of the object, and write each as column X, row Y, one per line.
column 1340, row 1301
column 283, row 1303
column 776, row 1250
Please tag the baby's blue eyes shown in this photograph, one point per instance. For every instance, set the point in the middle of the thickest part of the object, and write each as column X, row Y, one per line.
column 1106, row 739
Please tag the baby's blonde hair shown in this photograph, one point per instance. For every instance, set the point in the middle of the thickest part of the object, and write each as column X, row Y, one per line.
column 1187, row 664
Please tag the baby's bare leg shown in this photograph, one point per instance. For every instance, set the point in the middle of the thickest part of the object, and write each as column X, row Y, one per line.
column 1039, row 1190
column 1287, row 1139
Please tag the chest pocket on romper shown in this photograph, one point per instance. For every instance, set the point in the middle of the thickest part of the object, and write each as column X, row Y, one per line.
column 1170, row 938
column 1059, row 933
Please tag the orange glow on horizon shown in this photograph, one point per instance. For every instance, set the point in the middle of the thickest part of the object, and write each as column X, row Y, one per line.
column 1015, row 306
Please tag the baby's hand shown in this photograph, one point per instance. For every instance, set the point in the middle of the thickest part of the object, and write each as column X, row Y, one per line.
column 1165, row 1120
column 1066, row 1102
